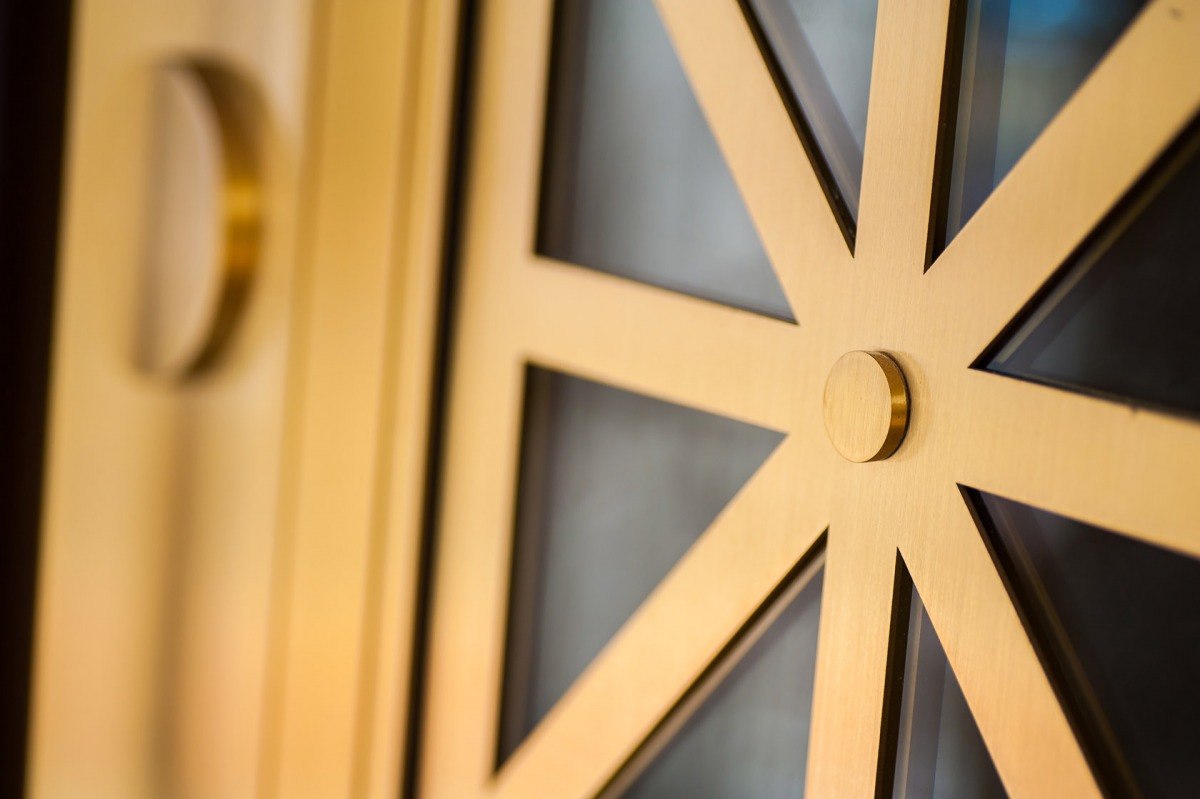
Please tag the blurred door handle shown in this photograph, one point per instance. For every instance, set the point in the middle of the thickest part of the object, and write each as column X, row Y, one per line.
column 204, row 220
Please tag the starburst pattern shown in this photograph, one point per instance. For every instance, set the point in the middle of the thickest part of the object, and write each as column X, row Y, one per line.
column 1133, row 472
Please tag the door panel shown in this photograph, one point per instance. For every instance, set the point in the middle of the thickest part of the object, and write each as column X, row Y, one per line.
column 887, row 285
column 231, row 537
column 809, row 228
column 154, row 588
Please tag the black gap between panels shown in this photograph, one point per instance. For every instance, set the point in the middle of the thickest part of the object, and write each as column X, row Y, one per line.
column 453, row 212
column 943, row 165
column 930, row 743
column 34, row 66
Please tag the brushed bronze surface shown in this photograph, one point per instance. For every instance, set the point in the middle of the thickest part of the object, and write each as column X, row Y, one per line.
column 866, row 406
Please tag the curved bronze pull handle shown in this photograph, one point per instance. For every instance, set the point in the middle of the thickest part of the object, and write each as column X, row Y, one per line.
column 206, row 218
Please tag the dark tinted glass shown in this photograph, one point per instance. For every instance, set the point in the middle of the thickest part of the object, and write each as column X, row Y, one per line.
column 750, row 736
column 1119, row 622
column 614, row 489
column 633, row 182
column 940, row 753
column 1122, row 319
column 823, row 51
column 1022, row 60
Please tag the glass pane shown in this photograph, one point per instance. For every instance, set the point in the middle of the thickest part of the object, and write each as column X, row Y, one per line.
column 633, row 182
column 1122, row 319
column 614, row 489
column 1022, row 60
column 1119, row 622
column 940, row 754
column 822, row 51
column 750, row 736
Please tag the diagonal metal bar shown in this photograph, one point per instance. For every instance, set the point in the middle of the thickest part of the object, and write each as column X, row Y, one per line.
column 756, row 135
column 1029, row 739
column 1126, row 113
column 1103, row 462
column 668, row 643
column 653, row 341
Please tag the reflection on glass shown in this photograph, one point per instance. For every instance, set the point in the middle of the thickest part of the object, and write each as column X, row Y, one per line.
column 750, row 736
column 1122, row 319
column 940, row 753
column 823, row 49
column 1119, row 622
column 614, row 489
column 633, row 182
column 1022, row 60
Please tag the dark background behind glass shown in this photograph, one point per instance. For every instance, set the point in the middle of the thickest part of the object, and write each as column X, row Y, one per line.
column 633, row 182
column 1022, row 61
column 34, row 39
column 1121, row 320
column 614, row 488
column 1118, row 621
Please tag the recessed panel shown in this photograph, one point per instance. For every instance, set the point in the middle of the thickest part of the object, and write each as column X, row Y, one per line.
column 1121, row 319
column 1118, row 621
column 821, row 51
column 940, row 753
column 615, row 487
column 749, row 737
column 633, row 182
column 1021, row 61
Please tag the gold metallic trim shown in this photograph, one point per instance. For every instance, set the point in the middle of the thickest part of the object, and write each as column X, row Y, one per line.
column 241, row 204
column 164, row 494
column 866, row 406
column 231, row 106
column 364, row 363
column 515, row 306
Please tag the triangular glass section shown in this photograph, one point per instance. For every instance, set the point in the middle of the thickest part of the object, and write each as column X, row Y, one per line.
column 940, row 753
column 1021, row 61
column 1121, row 318
column 749, row 737
column 820, row 53
column 633, row 182
column 614, row 489
column 1118, row 623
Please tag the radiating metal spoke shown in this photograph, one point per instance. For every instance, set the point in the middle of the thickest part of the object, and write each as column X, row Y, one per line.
column 1099, row 461
column 1131, row 107
column 693, row 352
column 989, row 649
column 759, row 537
column 902, row 132
column 1102, row 462
column 856, row 603
column 756, row 135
